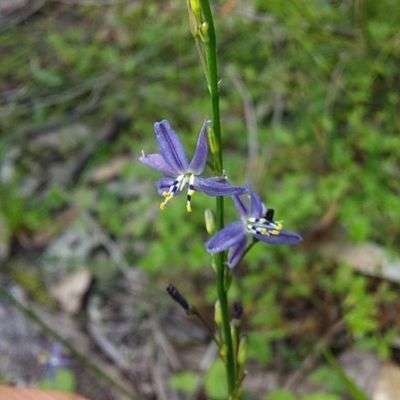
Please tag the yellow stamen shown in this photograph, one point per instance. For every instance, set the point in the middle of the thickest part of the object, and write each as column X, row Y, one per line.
column 190, row 193
column 168, row 196
column 279, row 224
column 178, row 185
column 43, row 357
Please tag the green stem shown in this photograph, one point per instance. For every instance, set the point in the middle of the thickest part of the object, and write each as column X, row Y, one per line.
column 202, row 320
column 211, row 61
column 212, row 66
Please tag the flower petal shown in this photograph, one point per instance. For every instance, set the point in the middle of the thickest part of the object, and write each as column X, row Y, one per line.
column 171, row 147
column 284, row 237
column 236, row 252
column 240, row 206
column 200, row 156
column 215, row 188
column 256, row 206
column 164, row 184
column 230, row 236
column 156, row 161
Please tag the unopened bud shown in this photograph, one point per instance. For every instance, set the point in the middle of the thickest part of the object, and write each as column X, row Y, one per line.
column 223, row 351
column 212, row 140
column 194, row 11
column 237, row 314
column 237, row 310
column 242, row 351
column 204, row 32
column 174, row 293
column 210, row 222
column 218, row 314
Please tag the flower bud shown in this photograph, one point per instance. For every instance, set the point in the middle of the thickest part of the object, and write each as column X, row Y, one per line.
column 195, row 20
column 237, row 310
column 174, row 293
column 242, row 351
column 212, row 140
column 204, row 32
column 237, row 314
column 196, row 9
column 223, row 351
column 210, row 222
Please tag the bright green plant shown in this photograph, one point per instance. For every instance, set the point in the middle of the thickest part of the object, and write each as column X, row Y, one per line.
column 256, row 220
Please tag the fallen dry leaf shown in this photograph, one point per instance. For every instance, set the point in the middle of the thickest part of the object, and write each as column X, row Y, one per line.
column 110, row 170
column 69, row 292
column 368, row 258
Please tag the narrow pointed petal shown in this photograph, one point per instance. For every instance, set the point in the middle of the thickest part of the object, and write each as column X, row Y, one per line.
column 236, row 252
column 57, row 350
column 221, row 179
column 171, row 147
column 200, row 156
column 284, row 237
column 240, row 206
column 257, row 207
column 230, row 236
column 164, row 184
column 214, row 188
column 156, row 161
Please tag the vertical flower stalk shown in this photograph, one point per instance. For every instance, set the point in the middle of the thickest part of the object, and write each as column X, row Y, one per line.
column 207, row 35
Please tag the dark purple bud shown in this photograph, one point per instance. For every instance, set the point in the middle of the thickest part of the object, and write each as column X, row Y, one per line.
column 237, row 310
column 173, row 292
column 269, row 214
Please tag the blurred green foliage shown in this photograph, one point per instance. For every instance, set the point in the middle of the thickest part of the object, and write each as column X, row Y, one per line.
column 63, row 380
column 287, row 395
column 215, row 384
column 322, row 77
column 185, row 382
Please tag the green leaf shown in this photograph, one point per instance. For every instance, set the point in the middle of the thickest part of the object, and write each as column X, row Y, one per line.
column 186, row 381
column 215, row 383
column 45, row 75
column 320, row 396
column 327, row 376
column 64, row 380
column 351, row 387
column 280, row 395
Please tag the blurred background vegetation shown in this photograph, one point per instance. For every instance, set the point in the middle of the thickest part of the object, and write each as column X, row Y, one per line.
column 310, row 97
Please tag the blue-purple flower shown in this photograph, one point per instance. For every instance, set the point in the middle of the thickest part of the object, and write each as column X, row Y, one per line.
column 54, row 360
column 173, row 161
column 255, row 220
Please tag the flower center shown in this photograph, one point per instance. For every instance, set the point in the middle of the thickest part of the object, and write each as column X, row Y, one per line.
column 263, row 226
column 177, row 186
